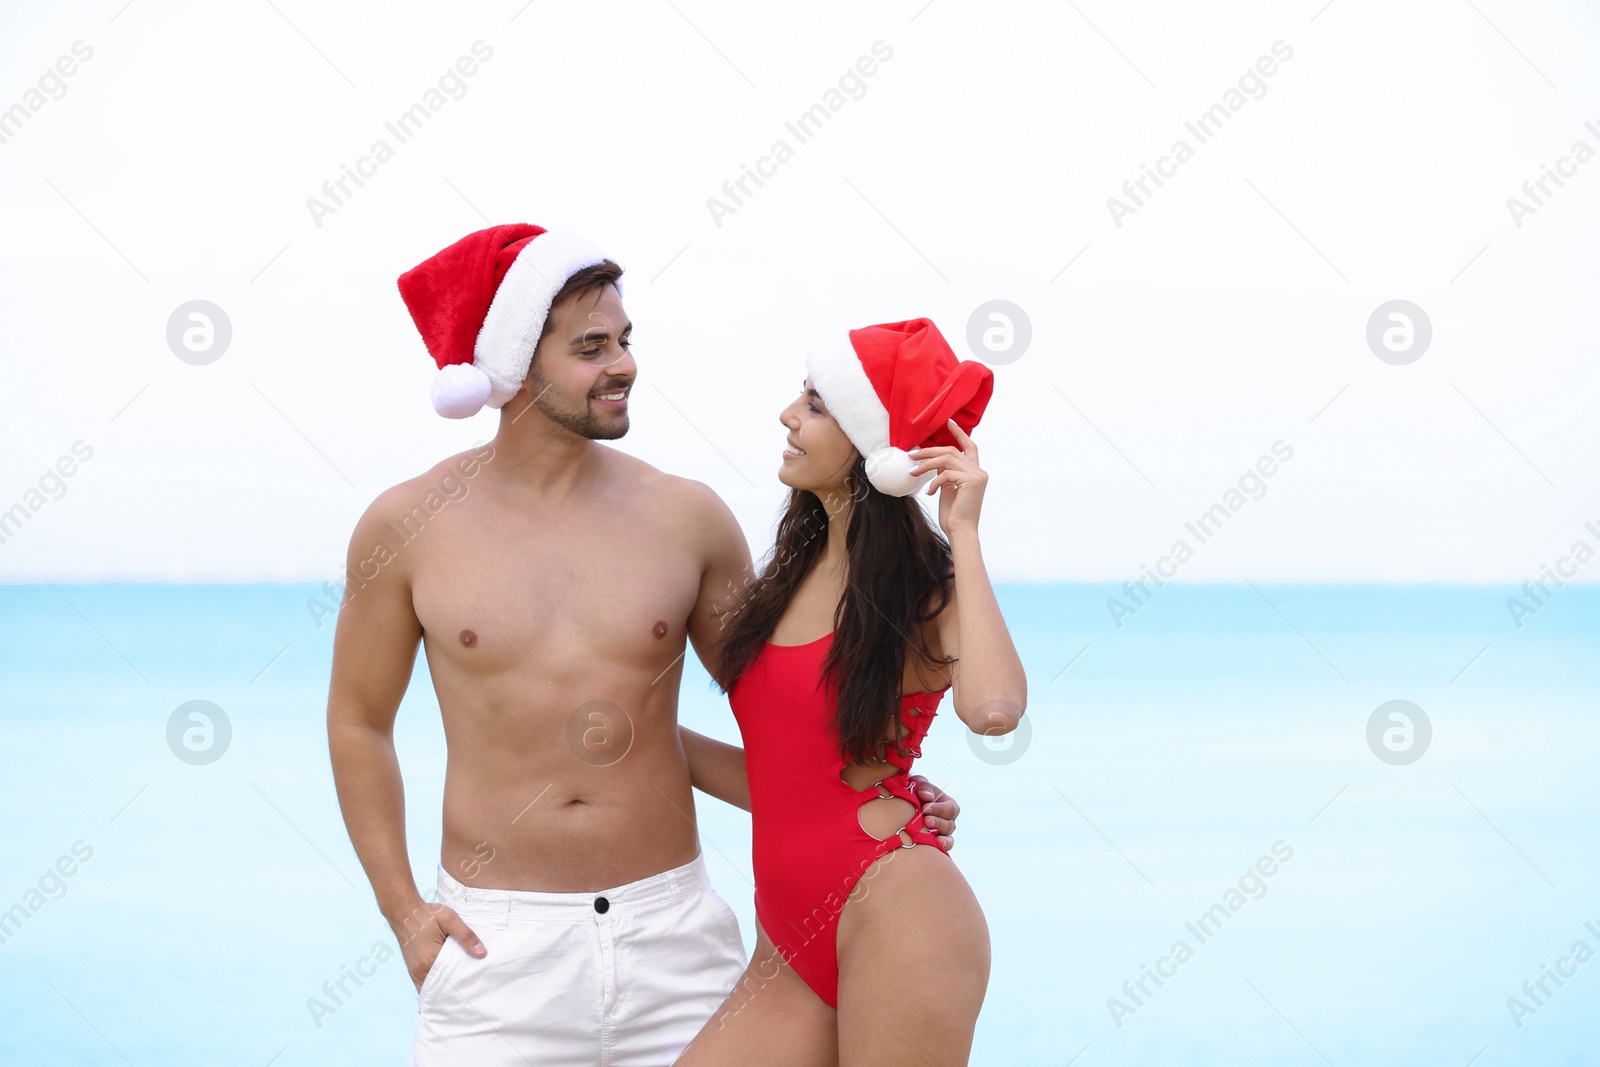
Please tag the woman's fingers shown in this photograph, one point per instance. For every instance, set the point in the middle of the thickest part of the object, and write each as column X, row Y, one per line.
column 943, row 455
column 962, row 439
column 952, row 462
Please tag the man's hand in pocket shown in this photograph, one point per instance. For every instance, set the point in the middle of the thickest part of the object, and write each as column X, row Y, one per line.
column 422, row 933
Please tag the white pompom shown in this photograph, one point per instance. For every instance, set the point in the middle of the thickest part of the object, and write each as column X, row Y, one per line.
column 459, row 390
column 889, row 471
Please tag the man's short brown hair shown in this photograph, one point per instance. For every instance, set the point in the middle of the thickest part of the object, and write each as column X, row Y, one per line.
column 587, row 280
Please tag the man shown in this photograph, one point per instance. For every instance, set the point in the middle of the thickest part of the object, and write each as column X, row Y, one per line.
column 574, row 922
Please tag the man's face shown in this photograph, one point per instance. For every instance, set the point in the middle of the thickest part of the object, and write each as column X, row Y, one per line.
column 582, row 372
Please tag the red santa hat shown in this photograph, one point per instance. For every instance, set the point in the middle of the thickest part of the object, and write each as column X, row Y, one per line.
column 480, row 306
column 892, row 388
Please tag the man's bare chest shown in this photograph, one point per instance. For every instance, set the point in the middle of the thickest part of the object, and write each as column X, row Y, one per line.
column 577, row 593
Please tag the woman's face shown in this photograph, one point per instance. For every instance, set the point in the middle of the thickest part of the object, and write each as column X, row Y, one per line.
column 818, row 455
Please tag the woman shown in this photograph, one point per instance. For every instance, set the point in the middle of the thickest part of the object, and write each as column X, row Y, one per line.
column 869, row 948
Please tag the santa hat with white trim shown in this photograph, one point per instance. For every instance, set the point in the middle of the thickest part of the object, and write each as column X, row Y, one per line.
column 481, row 304
column 891, row 388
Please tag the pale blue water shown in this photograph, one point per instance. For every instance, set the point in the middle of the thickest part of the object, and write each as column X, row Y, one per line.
column 1173, row 754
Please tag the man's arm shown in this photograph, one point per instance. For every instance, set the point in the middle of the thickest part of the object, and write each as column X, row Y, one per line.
column 726, row 576
column 374, row 649
column 716, row 768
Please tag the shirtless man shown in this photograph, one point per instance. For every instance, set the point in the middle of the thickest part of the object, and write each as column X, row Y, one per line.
column 553, row 583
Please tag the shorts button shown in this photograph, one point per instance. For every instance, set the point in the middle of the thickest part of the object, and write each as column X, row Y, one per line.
column 602, row 905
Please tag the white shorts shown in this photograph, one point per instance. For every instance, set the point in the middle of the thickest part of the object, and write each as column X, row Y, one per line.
column 625, row 977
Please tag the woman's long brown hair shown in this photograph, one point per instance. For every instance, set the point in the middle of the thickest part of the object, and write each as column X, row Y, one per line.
column 897, row 566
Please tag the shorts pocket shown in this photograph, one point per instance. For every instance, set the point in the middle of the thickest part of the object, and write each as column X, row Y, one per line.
column 729, row 926
column 435, row 975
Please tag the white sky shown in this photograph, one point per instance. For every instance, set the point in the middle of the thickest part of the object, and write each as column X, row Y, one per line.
column 1174, row 351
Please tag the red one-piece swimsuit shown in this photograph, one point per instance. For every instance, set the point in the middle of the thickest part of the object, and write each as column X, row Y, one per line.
column 808, row 846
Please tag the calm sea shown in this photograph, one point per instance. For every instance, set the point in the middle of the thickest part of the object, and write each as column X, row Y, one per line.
column 1217, row 842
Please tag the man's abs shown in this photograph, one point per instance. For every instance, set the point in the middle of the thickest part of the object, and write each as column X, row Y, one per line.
column 604, row 799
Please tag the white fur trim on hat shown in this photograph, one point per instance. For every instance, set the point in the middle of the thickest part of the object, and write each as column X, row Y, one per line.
column 511, row 329
column 459, row 390
column 836, row 373
column 889, row 471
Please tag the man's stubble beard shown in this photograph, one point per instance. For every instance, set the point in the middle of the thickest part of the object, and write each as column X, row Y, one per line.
column 584, row 423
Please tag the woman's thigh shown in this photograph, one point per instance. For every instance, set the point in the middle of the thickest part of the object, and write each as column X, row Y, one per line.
column 772, row 1018
column 913, row 963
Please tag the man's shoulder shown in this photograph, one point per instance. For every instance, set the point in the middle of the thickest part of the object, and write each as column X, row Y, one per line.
column 449, row 479
column 693, row 498
column 682, row 508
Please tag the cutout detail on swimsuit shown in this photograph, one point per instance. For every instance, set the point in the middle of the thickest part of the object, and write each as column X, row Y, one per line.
column 882, row 817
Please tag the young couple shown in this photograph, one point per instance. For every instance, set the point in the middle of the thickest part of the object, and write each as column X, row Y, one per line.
column 573, row 921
